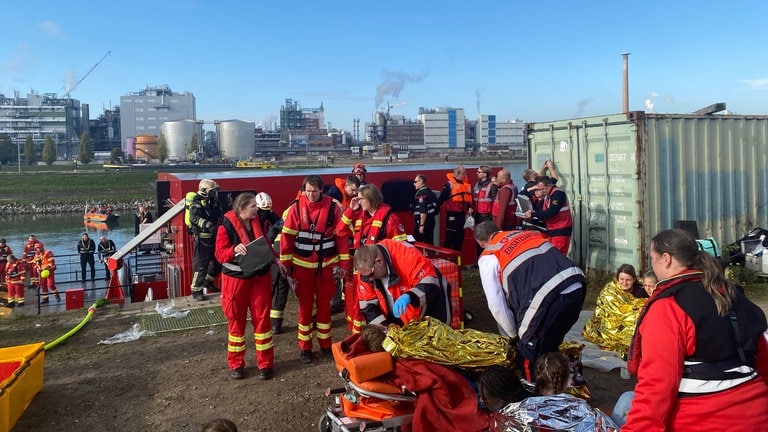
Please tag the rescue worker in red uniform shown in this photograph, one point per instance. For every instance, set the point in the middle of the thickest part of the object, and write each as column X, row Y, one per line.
column 271, row 224
column 343, row 191
column 5, row 250
column 457, row 196
column 699, row 350
column 44, row 261
column 552, row 207
column 310, row 248
column 368, row 220
column 15, row 271
column 240, row 293
column 534, row 292
column 359, row 171
column 29, row 259
column 505, row 206
column 398, row 284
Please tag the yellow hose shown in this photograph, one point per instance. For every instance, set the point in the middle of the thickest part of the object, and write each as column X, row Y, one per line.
column 66, row 335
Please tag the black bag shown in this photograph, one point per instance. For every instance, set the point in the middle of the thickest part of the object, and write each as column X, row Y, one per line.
column 257, row 260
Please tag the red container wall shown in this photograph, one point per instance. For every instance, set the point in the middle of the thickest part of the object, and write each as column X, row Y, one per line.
column 395, row 182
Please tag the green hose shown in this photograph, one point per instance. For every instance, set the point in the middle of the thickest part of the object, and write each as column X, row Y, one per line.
column 91, row 310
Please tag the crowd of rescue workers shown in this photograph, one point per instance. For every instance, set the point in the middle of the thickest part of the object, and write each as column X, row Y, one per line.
column 695, row 343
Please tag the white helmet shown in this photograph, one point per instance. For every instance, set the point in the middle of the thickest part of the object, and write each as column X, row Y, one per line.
column 206, row 186
column 263, row 201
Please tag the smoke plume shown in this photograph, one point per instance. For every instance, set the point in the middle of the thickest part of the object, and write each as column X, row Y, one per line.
column 649, row 102
column 478, row 94
column 393, row 83
column 581, row 105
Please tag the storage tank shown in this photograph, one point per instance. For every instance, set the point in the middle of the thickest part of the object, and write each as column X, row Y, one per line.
column 146, row 147
column 130, row 146
column 178, row 137
column 236, row 139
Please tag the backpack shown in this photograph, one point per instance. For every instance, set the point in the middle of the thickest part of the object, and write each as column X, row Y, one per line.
column 188, row 199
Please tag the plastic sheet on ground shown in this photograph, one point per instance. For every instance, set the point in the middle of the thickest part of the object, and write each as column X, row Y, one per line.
column 166, row 311
column 592, row 356
column 127, row 336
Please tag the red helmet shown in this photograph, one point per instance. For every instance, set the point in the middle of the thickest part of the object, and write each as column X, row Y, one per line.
column 359, row 168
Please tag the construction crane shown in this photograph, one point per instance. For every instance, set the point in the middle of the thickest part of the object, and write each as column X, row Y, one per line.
column 390, row 106
column 68, row 91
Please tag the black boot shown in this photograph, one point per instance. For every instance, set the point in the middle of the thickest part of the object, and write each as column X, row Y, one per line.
column 277, row 325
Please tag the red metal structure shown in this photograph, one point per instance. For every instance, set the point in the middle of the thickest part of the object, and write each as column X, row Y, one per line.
column 394, row 181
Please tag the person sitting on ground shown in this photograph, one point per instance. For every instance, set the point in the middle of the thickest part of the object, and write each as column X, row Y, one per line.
column 649, row 282
column 220, row 425
column 551, row 408
column 499, row 386
column 616, row 310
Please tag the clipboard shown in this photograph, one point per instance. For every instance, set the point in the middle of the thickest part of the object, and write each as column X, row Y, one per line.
column 258, row 258
column 523, row 205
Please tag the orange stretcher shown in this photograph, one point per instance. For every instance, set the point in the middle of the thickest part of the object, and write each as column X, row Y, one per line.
column 366, row 402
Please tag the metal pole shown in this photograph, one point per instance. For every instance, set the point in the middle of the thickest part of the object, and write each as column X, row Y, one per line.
column 625, row 89
column 18, row 153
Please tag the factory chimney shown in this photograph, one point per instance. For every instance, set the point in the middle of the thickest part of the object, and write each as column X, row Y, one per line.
column 625, row 89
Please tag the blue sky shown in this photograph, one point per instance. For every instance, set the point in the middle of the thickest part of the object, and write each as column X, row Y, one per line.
column 534, row 61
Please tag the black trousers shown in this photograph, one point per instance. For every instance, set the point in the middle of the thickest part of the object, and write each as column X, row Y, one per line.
column 204, row 263
column 86, row 259
column 429, row 231
column 454, row 230
column 560, row 316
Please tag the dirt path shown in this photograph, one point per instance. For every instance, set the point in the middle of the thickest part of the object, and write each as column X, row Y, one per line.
column 177, row 381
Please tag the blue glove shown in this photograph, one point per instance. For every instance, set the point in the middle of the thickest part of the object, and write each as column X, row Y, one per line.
column 402, row 302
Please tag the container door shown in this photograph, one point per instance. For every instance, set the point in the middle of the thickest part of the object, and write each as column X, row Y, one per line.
column 597, row 164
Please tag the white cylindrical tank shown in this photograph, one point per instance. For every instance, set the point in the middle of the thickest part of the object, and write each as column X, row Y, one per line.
column 178, row 137
column 236, row 139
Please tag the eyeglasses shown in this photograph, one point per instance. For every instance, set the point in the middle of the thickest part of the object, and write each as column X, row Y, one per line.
column 368, row 278
column 415, row 181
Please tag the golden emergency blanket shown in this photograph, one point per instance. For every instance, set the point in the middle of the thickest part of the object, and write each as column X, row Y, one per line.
column 613, row 324
column 431, row 340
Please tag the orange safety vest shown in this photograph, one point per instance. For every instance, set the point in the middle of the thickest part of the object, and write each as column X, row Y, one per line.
column 14, row 272
column 482, row 198
column 508, row 245
column 45, row 261
column 461, row 195
column 340, row 183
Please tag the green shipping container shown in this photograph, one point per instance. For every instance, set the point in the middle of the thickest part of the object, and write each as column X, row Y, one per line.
column 630, row 176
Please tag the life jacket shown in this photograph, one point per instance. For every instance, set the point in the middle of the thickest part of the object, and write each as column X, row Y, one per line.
column 29, row 250
column 482, row 198
column 236, row 233
column 370, row 229
column 340, row 184
column 510, row 219
column 460, row 197
column 46, row 261
column 560, row 224
column 726, row 346
column 4, row 252
column 315, row 237
column 14, row 272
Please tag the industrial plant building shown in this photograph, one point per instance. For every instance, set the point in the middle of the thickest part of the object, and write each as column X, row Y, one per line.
column 39, row 116
column 145, row 111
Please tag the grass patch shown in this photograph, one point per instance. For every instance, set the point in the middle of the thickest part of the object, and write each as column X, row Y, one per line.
column 40, row 186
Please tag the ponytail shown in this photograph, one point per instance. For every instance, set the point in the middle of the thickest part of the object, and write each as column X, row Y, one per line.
column 714, row 282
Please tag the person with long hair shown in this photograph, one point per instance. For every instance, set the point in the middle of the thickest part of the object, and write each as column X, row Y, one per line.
column 241, row 292
column 695, row 348
column 616, row 310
